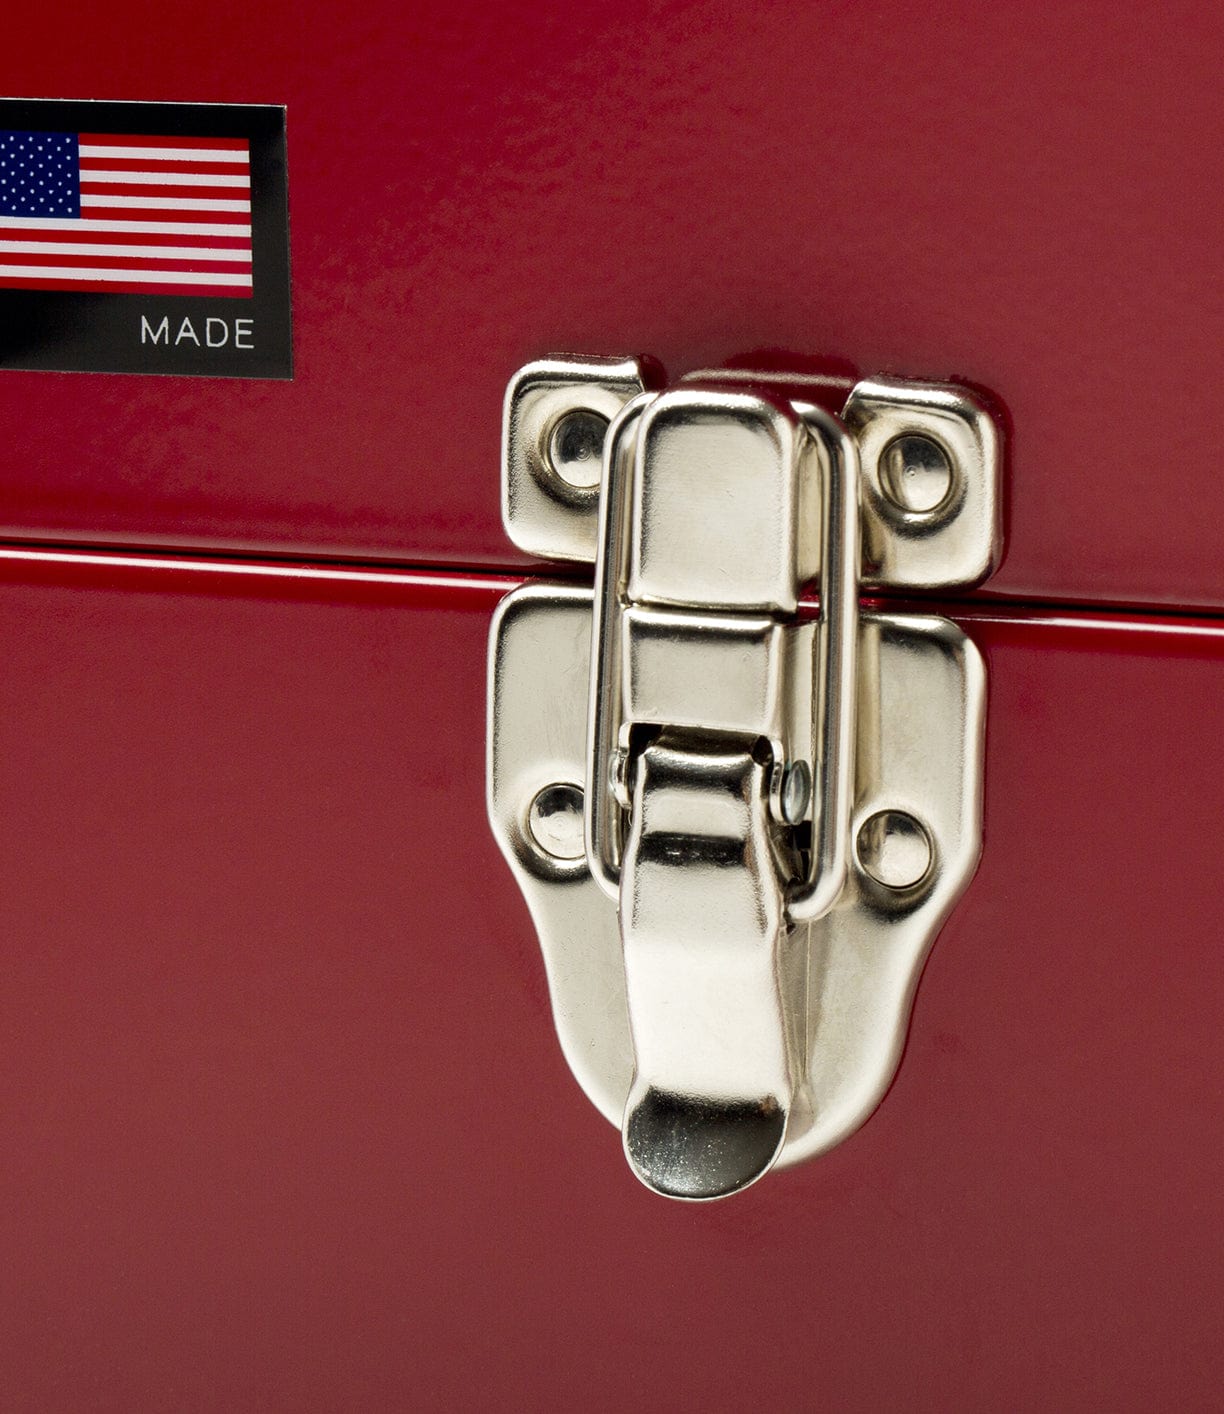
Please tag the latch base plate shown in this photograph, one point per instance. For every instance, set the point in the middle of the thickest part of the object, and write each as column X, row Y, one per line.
column 915, row 827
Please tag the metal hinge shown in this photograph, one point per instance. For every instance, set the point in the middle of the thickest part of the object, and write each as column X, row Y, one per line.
column 738, row 824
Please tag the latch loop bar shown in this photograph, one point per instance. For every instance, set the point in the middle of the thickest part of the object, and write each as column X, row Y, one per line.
column 836, row 653
column 833, row 704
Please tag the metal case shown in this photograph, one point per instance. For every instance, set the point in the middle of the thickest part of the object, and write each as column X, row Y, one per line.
column 284, row 1118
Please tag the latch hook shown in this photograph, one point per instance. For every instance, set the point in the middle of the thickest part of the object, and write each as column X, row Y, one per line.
column 708, row 523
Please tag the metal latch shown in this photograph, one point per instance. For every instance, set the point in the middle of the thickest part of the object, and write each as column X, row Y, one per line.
column 738, row 823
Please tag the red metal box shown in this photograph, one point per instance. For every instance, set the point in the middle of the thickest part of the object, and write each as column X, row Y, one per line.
column 285, row 1119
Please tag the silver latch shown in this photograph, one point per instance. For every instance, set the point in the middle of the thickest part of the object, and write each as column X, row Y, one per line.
column 738, row 824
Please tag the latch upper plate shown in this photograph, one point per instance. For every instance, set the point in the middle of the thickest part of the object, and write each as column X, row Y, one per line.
column 931, row 519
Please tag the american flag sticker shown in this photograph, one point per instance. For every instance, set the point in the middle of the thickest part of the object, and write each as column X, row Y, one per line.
column 158, row 244
column 125, row 212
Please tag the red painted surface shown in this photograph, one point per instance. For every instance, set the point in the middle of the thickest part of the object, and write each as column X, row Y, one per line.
column 285, row 1122
column 1026, row 196
column 284, row 1119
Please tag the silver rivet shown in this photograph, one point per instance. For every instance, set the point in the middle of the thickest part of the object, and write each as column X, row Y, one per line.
column 895, row 849
column 796, row 792
column 915, row 474
column 618, row 775
column 575, row 448
column 555, row 821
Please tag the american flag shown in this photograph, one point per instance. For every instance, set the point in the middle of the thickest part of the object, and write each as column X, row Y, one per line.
column 125, row 214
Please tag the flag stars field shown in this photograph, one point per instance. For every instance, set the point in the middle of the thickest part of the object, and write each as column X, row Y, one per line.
column 30, row 162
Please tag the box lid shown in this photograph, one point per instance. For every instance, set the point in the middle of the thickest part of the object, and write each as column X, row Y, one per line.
column 1024, row 199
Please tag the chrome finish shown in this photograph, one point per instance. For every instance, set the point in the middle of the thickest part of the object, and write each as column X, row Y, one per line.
column 666, row 541
column 539, row 655
column 702, row 920
column 915, row 474
column 848, row 978
column 836, row 645
column 555, row 822
column 779, row 811
column 907, row 542
column 795, row 793
column 575, row 449
column 894, row 849
column 903, row 430
column 552, row 408
column 922, row 710
column 719, row 506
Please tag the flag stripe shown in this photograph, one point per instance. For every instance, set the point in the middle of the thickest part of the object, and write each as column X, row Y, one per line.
column 91, row 176
column 137, row 285
column 223, row 221
column 98, row 223
column 164, row 196
column 123, row 260
column 143, row 164
column 212, row 144
column 90, row 231
column 102, row 274
column 133, row 153
column 61, row 250
column 189, row 203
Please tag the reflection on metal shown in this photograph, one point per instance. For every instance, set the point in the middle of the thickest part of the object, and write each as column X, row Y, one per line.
column 779, row 811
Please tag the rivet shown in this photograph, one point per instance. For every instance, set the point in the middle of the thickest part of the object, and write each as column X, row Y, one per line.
column 915, row 474
column 555, row 821
column 618, row 775
column 796, row 792
column 895, row 849
column 575, row 448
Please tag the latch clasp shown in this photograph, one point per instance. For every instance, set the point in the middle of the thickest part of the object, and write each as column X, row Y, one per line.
column 709, row 693
column 727, row 884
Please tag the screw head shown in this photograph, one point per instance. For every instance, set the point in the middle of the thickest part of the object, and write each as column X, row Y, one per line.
column 915, row 474
column 575, row 448
column 796, row 792
column 555, row 822
column 895, row 850
column 618, row 775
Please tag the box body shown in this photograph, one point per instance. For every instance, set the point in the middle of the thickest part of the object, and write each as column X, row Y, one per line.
column 286, row 1121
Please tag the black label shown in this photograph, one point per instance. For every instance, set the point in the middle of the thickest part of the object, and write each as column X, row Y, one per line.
column 144, row 238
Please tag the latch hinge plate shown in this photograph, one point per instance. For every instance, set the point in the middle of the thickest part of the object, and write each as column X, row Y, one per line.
column 845, row 980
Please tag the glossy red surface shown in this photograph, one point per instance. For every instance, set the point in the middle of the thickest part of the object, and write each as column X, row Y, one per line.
column 286, row 1125
column 1025, row 196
